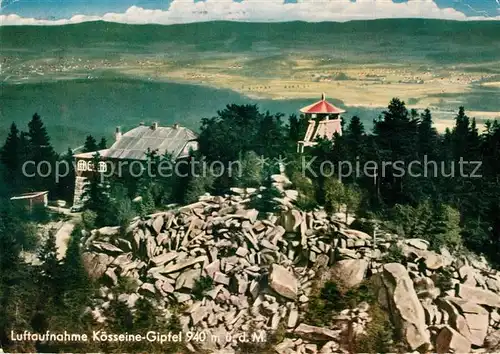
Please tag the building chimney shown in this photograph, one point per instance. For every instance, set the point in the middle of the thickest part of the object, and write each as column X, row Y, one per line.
column 118, row 134
column 176, row 126
column 154, row 126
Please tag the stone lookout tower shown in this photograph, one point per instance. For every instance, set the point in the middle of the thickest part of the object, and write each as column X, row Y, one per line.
column 324, row 122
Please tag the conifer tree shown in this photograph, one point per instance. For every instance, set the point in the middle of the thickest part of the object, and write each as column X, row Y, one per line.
column 40, row 146
column 24, row 147
column 9, row 153
column 119, row 316
column 76, row 283
column 48, row 256
column 42, row 154
column 445, row 230
column 460, row 134
column 354, row 138
column 49, row 278
column 102, row 144
column 250, row 174
column 265, row 201
column 427, row 136
column 90, row 144
column 66, row 184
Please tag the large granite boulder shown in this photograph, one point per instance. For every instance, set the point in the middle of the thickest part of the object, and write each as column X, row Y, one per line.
column 476, row 320
column 350, row 272
column 479, row 296
column 283, row 282
column 96, row 263
column 407, row 312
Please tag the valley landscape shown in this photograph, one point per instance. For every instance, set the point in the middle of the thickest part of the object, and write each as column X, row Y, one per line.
column 249, row 187
column 360, row 65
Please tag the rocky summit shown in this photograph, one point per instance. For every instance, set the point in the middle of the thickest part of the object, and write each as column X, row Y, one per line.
column 263, row 269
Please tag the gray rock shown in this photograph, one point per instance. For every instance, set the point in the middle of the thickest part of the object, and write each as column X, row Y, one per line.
column 164, row 258
column 148, row 287
column 183, row 264
column 450, row 340
column 476, row 318
column 199, row 314
column 407, row 310
column 283, row 282
column 479, row 296
column 181, row 297
column 107, row 247
column 316, row 333
column 187, row 279
column 350, row 272
column 293, row 317
column 96, row 263
column 158, row 224
column 108, row 230
column 418, row 243
column 110, row 273
column 241, row 251
column 330, row 347
column 221, row 278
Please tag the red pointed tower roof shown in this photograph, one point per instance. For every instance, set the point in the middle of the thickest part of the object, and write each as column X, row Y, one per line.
column 322, row 107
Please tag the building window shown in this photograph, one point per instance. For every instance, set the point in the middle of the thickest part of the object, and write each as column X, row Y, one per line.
column 90, row 166
column 82, row 165
column 102, row 167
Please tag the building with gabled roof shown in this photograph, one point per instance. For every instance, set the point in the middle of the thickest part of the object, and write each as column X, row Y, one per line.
column 133, row 145
column 324, row 122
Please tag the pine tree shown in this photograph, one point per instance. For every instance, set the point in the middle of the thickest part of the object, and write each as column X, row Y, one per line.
column 48, row 256
column 427, row 136
column 24, row 147
column 9, row 153
column 445, row 230
column 354, row 138
column 145, row 317
column 119, row 316
column 102, row 144
column 460, row 134
column 474, row 142
column 250, row 174
column 49, row 276
column 41, row 149
column 76, row 284
column 352, row 199
column 66, row 185
column 90, row 144
column 265, row 201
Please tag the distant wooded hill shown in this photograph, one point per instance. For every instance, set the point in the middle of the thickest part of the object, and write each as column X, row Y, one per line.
column 436, row 40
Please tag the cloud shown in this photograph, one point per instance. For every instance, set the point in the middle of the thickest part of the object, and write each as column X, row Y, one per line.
column 185, row 11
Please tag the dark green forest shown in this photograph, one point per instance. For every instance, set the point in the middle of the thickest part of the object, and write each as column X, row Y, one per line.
column 452, row 203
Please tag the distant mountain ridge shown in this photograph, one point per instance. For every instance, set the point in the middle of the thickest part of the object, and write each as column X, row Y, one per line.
column 241, row 37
